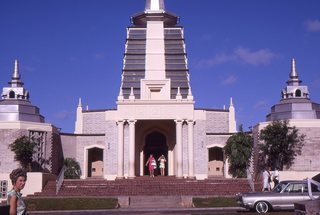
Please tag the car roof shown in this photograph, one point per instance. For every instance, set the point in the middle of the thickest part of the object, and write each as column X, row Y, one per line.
column 294, row 181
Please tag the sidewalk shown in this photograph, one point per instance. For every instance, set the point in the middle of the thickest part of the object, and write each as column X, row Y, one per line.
column 146, row 211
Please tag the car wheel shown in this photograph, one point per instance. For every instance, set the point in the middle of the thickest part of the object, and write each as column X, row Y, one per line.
column 262, row 207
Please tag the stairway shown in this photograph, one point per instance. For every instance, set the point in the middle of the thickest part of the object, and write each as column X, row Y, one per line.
column 147, row 186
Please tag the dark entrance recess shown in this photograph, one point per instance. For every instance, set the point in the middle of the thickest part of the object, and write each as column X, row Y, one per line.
column 155, row 144
column 94, row 154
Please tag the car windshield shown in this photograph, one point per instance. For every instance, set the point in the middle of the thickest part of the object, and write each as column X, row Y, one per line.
column 279, row 187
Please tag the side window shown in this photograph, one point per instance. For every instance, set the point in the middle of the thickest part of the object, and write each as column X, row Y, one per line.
column 289, row 188
column 305, row 188
column 297, row 188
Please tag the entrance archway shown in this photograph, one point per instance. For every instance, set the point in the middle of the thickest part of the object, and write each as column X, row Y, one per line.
column 95, row 162
column 156, row 144
column 215, row 165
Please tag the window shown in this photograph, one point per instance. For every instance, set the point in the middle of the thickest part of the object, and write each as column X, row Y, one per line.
column 12, row 95
column 298, row 93
column 294, row 188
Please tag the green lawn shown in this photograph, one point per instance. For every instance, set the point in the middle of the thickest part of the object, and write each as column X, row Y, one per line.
column 215, row 202
column 44, row 204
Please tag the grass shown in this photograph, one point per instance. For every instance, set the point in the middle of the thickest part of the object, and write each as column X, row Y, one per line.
column 215, row 202
column 45, row 204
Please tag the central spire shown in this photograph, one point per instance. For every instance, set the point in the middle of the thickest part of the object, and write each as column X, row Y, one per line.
column 154, row 6
column 294, row 78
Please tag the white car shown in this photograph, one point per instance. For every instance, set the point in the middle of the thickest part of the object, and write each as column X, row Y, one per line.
column 282, row 197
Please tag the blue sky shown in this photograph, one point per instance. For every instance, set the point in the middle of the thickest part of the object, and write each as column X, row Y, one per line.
column 236, row 48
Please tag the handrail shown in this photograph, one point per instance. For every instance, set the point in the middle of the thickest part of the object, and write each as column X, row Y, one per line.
column 59, row 180
column 310, row 181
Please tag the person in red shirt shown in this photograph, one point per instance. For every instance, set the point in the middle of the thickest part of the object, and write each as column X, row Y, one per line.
column 152, row 165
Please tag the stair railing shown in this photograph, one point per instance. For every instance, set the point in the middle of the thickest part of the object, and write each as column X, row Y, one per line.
column 310, row 181
column 59, row 180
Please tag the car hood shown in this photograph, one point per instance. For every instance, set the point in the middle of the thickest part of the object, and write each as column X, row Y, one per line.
column 258, row 194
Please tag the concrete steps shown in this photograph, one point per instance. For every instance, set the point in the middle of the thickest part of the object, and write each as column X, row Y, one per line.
column 146, row 186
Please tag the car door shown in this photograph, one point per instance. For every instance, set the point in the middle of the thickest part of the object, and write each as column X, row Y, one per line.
column 294, row 192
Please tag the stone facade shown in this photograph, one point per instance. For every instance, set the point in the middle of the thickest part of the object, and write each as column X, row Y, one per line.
column 48, row 153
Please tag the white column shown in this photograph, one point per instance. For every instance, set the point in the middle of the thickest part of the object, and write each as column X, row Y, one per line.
column 132, row 148
column 179, row 148
column 190, row 149
column 120, row 148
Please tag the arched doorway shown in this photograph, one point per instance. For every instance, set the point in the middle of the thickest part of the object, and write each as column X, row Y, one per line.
column 95, row 162
column 156, row 144
column 215, row 165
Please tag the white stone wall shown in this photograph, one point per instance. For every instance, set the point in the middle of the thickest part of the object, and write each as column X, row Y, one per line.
column 94, row 122
column 217, row 122
column 200, row 150
column 85, row 142
column 217, row 140
column 69, row 145
column 309, row 160
column 111, row 161
column 8, row 136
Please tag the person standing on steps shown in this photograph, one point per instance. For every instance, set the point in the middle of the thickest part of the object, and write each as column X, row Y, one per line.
column 162, row 160
column 266, row 180
column 17, row 206
column 275, row 176
column 151, row 164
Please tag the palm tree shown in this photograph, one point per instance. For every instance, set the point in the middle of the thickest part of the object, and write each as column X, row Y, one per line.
column 238, row 150
column 72, row 169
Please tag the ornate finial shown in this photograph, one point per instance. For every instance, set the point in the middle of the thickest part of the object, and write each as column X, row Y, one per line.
column 154, row 6
column 231, row 102
column 294, row 73
column 178, row 93
column 80, row 102
column 16, row 74
column 131, row 96
column 190, row 96
column 178, row 96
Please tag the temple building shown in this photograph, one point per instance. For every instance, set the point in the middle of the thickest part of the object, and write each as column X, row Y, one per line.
column 19, row 117
column 300, row 111
column 155, row 114
column 155, row 111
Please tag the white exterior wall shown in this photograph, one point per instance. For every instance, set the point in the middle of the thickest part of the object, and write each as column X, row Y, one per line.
column 94, row 122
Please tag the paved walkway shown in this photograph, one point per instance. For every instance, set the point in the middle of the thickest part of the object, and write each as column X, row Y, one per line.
column 167, row 211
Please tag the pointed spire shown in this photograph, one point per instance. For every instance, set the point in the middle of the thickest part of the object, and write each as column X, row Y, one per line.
column 190, row 96
column 120, row 96
column 293, row 76
column 16, row 74
column 178, row 96
column 80, row 102
column 131, row 97
column 294, row 73
column 15, row 80
column 231, row 102
column 154, row 6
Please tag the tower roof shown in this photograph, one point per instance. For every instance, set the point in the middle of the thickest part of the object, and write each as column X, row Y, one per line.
column 295, row 102
column 15, row 104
